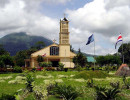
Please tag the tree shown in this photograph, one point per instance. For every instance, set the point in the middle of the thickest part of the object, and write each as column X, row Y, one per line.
column 6, row 60
column 108, row 60
column 80, row 59
column 39, row 45
column 39, row 59
column 22, row 55
column 71, row 48
column 19, row 58
column 126, row 52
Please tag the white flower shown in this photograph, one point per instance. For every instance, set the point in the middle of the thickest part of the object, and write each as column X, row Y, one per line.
column 20, row 78
column 6, row 78
column 72, row 75
column 2, row 81
column 59, row 80
column 80, row 80
column 62, row 76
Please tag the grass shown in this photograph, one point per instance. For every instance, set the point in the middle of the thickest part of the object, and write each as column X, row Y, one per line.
column 68, row 78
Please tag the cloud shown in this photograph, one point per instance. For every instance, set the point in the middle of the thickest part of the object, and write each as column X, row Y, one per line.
column 94, row 17
column 106, row 19
column 15, row 17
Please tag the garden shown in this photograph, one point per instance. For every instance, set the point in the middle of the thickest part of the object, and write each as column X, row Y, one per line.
column 70, row 85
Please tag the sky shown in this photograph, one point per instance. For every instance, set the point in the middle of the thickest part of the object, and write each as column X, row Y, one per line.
column 106, row 19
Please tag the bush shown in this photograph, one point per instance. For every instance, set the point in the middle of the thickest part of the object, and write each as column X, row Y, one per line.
column 78, row 68
column 61, row 65
column 126, row 82
column 115, row 85
column 91, row 74
column 107, row 94
column 90, row 83
column 1, row 64
column 66, row 69
column 49, row 64
column 17, row 69
column 7, row 97
column 66, row 92
column 29, row 85
column 43, row 64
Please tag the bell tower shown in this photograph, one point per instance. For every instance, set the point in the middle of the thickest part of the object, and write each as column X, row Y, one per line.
column 64, row 44
column 64, row 31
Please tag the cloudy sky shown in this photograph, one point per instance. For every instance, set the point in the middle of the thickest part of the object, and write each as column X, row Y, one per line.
column 106, row 19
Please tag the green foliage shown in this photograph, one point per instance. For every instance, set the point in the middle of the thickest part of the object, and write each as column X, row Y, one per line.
column 107, row 94
column 80, row 59
column 108, row 60
column 49, row 64
column 40, row 59
column 71, row 48
column 22, row 55
column 66, row 92
column 29, row 81
column 1, row 64
column 61, row 66
column 115, row 84
column 43, row 64
column 90, row 83
column 126, row 52
column 46, row 64
column 40, row 92
column 91, row 74
column 78, row 68
column 126, row 82
column 17, row 69
column 7, row 60
column 39, row 45
column 7, row 97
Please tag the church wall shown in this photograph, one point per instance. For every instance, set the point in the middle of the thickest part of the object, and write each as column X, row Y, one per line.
column 67, row 62
column 64, row 50
column 42, row 52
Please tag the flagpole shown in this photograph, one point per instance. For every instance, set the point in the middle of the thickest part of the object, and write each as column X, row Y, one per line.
column 122, row 53
column 94, row 53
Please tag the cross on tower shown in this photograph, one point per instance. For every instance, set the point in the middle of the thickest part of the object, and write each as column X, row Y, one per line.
column 64, row 15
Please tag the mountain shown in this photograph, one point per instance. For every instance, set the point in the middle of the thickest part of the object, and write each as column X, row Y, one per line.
column 15, row 42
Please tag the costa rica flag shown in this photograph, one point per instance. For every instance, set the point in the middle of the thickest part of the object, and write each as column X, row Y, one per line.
column 119, row 39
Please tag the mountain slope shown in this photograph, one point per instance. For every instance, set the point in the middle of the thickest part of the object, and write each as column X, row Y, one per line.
column 21, row 41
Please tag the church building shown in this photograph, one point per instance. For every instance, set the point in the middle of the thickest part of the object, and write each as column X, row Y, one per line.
column 56, row 53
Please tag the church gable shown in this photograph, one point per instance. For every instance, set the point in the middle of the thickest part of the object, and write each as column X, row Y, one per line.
column 44, row 51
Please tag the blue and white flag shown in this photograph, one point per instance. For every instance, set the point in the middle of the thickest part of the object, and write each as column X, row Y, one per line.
column 90, row 39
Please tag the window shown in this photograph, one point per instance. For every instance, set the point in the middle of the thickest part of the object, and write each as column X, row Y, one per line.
column 54, row 50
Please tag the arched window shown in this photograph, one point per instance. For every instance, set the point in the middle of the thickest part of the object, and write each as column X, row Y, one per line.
column 54, row 50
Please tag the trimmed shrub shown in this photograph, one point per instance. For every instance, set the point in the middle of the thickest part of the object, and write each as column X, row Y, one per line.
column 66, row 92
column 49, row 64
column 91, row 74
column 17, row 69
column 43, row 64
column 103, row 93
column 61, row 66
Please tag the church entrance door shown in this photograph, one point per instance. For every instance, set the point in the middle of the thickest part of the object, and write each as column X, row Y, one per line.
column 55, row 63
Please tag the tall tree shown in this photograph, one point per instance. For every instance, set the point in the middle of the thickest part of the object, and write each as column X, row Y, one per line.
column 80, row 59
column 108, row 60
column 126, row 52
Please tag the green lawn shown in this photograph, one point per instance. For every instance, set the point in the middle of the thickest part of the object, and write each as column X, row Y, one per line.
column 11, row 83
